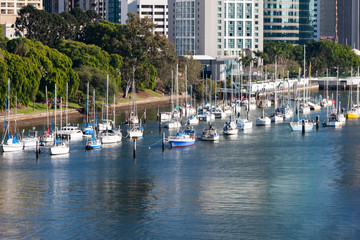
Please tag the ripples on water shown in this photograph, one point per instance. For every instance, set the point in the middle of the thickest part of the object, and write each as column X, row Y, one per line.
column 268, row 183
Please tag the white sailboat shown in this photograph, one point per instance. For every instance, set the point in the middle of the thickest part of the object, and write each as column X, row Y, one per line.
column 11, row 144
column 47, row 137
column 73, row 132
column 277, row 116
column 60, row 146
column 94, row 142
column 301, row 124
column 174, row 123
column 244, row 123
column 135, row 130
column 111, row 136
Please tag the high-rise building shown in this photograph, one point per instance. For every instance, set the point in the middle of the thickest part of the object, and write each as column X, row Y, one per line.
column 59, row 6
column 156, row 10
column 293, row 21
column 9, row 11
column 328, row 19
column 216, row 28
column 348, row 24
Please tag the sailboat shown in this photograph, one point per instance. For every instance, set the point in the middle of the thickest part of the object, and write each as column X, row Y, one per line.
column 94, row 142
column 47, row 137
column 73, row 132
column 230, row 128
column 12, row 144
column 89, row 128
column 60, row 146
column 111, row 136
column 210, row 133
column 105, row 123
column 277, row 116
column 244, row 123
column 135, row 131
column 298, row 125
column 174, row 123
column 353, row 112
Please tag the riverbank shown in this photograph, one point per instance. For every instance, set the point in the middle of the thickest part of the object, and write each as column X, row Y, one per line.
column 75, row 115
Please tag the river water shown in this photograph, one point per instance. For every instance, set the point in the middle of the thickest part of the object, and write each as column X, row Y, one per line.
column 267, row 183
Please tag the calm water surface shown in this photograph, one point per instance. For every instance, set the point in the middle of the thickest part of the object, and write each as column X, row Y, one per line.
column 268, row 183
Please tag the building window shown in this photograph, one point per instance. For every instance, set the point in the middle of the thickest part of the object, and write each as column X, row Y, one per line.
column 248, row 28
column 248, row 11
column 231, row 43
column 219, row 40
column 239, row 28
column 219, row 3
column 219, row 21
column 239, row 10
column 231, row 10
column 231, row 28
column 248, row 43
column 239, row 43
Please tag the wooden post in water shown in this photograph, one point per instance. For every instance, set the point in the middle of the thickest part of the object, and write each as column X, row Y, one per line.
column 37, row 149
column 134, row 147
column 158, row 114
column 145, row 115
column 303, row 126
column 317, row 122
column 163, row 142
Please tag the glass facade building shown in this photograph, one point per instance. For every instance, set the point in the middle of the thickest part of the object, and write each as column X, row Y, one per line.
column 294, row 21
column 216, row 27
column 185, row 26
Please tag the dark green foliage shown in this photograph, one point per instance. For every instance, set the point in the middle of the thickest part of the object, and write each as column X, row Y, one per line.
column 97, row 80
column 321, row 54
column 51, row 28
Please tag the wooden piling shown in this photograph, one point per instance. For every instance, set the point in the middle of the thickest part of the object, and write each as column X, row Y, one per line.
column 163, row 142
column 145, row 115
column 134, row 147
column 303, row 126
column 37, row 149
column 317, row 122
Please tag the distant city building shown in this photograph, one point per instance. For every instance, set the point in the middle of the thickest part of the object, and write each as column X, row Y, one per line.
column 59, row 6
column 9, row 11
column 216, row 28
column 156, row 10
column 328, row 19
column 348, row 28
column 293, row 21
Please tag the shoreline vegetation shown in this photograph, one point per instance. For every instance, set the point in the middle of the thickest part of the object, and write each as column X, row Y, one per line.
column 77, row 112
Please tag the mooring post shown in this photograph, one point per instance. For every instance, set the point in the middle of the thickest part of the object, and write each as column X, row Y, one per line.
column 158, row 114
column 37, row 149
column 163, row 142
column 145, row 115
column 134, row 147
column 303, row 126
column 317, row 122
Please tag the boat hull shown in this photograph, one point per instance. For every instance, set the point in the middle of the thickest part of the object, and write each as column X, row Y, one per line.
column 263, row 121
column 59, row 150
column 181, row 143
column 11, row 147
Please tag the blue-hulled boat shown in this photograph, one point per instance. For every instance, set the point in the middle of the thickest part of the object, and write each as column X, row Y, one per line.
column 93, row 143
column 183, row 139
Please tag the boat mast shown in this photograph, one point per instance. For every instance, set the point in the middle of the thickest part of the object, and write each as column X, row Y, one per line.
column 67, row 102
column 177, row 87
column 61, row 113
column 95, row 118
column 215, row 87
column 15, row 113
column 250, row 90
column 47, row 108
column 55, row 111
column 6, row 109
column 107, row 96
column 114, row 110
column 172, row 93
column 305, row 97
column 186, row 89
column 337, row 89
column 87, row 102
column 275, row 94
